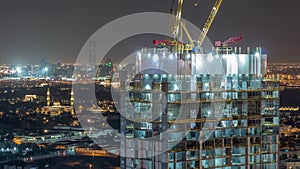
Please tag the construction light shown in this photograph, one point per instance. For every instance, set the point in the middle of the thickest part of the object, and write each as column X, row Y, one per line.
column 188, row 56
column 155, row 57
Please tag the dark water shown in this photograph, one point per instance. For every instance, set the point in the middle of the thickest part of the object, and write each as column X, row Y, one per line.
column 290, row 97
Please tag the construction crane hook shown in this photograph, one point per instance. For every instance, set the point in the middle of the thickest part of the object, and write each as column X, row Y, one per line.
column 172, row 6
column 196, row 3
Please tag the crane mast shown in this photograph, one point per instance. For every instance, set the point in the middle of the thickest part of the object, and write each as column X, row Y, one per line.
column 177, row 19
column 179, row 26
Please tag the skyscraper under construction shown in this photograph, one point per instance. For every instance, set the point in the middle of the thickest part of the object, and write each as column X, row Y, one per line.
column 206, row 110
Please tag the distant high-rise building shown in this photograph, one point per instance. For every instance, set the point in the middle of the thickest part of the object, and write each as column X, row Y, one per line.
column 106, row 68
column 58, row 64
column 43, row 62
column 92, row 52
column 204, row 118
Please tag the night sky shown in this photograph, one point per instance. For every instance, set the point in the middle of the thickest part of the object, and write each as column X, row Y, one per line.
column 31, row 30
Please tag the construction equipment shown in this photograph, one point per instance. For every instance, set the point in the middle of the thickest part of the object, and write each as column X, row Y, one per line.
column 229, row 42
column 226, row 46
column 208, row 23
column 177, row 18
column 164, row 43
column 179, row 25
column 174, row 29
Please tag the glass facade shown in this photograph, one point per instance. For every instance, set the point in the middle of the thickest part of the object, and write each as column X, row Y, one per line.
column 222, row 114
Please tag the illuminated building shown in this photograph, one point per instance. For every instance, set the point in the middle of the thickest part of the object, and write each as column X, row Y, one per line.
column 29, row 98
column 48, row 97
column 56, row 109
column 219, row 113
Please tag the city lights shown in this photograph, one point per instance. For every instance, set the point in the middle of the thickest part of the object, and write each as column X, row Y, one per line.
column 18, row 69
column 150, row 90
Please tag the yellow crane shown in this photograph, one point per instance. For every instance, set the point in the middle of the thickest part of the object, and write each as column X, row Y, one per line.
column 208, row 22
column 177, row 18
column 180, row 25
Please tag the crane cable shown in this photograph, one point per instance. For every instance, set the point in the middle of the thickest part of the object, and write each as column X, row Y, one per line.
column 172, row 6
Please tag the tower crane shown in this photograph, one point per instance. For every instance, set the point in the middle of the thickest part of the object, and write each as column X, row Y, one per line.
column 208, row 22
column 180, row 25
column 229, row 42
column 177, row 18
column 226, row 46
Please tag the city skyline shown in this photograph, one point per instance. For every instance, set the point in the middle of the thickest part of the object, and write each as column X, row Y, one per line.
column 34, row 30
column 173, row 84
